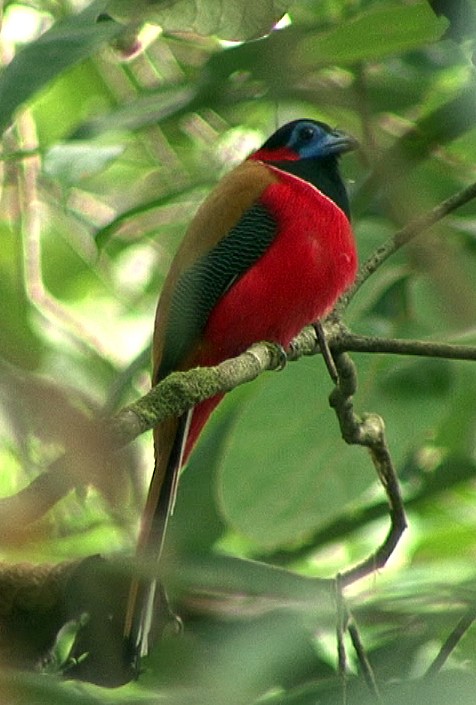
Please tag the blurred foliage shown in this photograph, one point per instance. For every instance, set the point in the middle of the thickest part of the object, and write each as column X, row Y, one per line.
column 110, row 141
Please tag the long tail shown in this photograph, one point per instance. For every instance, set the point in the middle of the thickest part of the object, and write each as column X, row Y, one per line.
column 174, row 440
column 144, row 593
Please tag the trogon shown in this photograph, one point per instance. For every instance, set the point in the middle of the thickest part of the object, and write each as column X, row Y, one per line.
column 269, row 251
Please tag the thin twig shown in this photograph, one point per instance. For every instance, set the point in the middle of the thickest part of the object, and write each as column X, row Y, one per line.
column 326, row 352
column 368, row 431
column 341, row 626
column 452, row 641
column 402, row 237
column 362, row 657
column 350, row 342
column 346, row 622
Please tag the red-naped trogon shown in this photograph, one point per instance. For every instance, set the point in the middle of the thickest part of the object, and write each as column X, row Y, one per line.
column 269, row 251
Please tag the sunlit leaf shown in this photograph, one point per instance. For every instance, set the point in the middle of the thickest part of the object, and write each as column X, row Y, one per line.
column 228, row 19
column 145, row 110
column 67, row 42
column 380, row 31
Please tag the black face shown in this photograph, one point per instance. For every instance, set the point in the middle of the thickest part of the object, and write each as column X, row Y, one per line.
column 317, row 147
column 311, row 139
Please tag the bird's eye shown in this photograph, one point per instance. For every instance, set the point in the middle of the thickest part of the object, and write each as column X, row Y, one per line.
column 307, row 133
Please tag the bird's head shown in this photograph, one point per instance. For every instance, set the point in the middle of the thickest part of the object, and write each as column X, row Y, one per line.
column 305, row 139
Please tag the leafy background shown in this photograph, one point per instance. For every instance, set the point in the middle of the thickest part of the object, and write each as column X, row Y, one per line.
column 106, row 154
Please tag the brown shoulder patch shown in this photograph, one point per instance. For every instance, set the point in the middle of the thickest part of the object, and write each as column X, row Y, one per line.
column 220, row 211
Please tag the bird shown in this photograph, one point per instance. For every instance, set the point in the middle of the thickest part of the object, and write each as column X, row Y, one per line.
column 269, row 251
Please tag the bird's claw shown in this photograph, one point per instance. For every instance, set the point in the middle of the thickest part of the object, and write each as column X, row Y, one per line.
column 282, row 357
column 326, row 352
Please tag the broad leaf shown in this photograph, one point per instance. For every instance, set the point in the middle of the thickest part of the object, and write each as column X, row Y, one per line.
column 381, row 31
column 235, row 20
column 67, row 42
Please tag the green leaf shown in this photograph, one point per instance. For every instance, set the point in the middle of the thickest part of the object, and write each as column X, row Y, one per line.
column 215, row 573
column 439, row 127
column 71, row 162
column 439, row 690
column 144, row 110
column 19, row 342
column 235, row 20
column 287, row 470
column 381, row 31
column 67, row 42
column 425, row 378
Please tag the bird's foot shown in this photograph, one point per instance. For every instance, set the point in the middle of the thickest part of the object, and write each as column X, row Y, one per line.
column 326, row 352
column 281, row 355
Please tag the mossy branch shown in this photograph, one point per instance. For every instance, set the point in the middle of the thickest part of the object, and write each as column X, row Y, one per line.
column 182, row 390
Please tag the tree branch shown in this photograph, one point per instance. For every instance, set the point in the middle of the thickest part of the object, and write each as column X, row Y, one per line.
column 182, row 390
column 466, row 621
column 368, row 430
column 350, row 342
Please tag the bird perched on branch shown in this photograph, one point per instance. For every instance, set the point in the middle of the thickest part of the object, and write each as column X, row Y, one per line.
column 269, row 251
